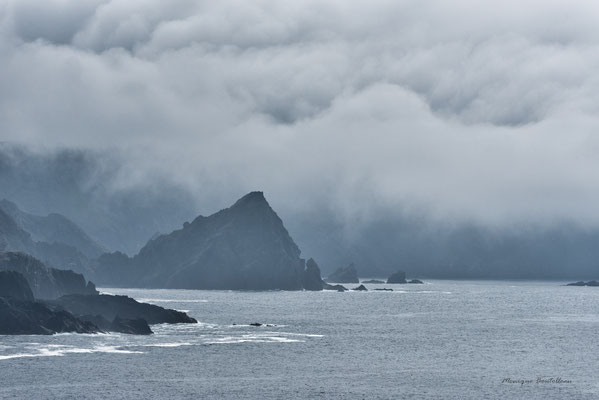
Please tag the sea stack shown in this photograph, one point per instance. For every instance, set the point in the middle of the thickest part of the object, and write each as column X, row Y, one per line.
column 397, row 277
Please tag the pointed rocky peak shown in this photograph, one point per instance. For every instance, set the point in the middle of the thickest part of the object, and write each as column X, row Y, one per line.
column 251, row 199
column 253, row 204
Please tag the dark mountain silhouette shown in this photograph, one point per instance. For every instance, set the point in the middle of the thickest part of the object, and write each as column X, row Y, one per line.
column 23, row 232
column 244, row 247
column 53, row 228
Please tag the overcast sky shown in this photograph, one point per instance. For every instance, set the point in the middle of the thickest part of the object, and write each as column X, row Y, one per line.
column 459, row 109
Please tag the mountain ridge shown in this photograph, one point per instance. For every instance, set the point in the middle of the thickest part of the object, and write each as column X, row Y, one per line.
column 242, row 247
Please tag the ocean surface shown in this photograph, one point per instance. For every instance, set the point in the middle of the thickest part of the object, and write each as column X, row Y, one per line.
column 441, row 340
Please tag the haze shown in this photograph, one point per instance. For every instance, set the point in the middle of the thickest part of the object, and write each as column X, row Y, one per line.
column 451, row 112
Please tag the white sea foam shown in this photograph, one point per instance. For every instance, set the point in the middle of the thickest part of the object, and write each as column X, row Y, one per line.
column 154, row 300
column 297, row 334
column 168, row 344
column 252, row 339
column 420, row 291
column 61, row 350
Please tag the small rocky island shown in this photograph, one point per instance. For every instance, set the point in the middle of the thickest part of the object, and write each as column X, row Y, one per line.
column 374, row 281
column 400, row 277
column 583, row 283
column 38, row 300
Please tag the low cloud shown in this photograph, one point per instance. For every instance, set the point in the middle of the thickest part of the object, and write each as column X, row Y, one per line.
column 457, row 110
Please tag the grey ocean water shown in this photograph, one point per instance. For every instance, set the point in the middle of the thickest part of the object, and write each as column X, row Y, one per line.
column 445, row 340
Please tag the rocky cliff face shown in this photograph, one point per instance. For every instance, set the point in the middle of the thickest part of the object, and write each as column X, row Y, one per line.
column 33, row 318
column 110, row 307
column 13, row 285
column 312, row 278
column 244, row 247
column 45, row 282
column 20, row 314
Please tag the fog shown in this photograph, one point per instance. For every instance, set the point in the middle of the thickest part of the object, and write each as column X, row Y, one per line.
column 454, row 113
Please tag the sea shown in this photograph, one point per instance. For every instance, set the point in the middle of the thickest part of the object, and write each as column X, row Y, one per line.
column 440, row 340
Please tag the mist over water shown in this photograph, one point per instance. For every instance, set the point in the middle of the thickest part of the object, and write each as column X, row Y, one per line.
column 123, row 211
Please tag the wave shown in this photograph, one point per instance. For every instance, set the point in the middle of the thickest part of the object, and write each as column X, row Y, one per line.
column 153, row 300
column 61, row 350
column 252, row 339
column 299, row 334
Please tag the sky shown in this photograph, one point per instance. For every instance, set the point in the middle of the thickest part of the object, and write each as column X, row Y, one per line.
column 458, row 110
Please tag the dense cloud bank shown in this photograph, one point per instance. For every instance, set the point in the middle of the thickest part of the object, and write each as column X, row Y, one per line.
column 456, row 110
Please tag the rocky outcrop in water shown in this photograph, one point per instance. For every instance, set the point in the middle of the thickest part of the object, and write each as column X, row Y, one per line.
column 338, row 288
column 582, row 283
column 312, row 278
column 344, row 275
column 416, row 281
column 20, row 314
column 137, row 326
column 374, row 281
column 360, row 288
column 33, row 318
column 397, row 277
column 110, row 307
column 45, row 282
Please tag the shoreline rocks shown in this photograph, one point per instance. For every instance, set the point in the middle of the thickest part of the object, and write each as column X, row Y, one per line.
column 339, row 288
column 583, row 283
column 21, row 314
column 374, row 281
column 312, row 279
column 111, row 307
column 45, row 282
column 19, row 317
